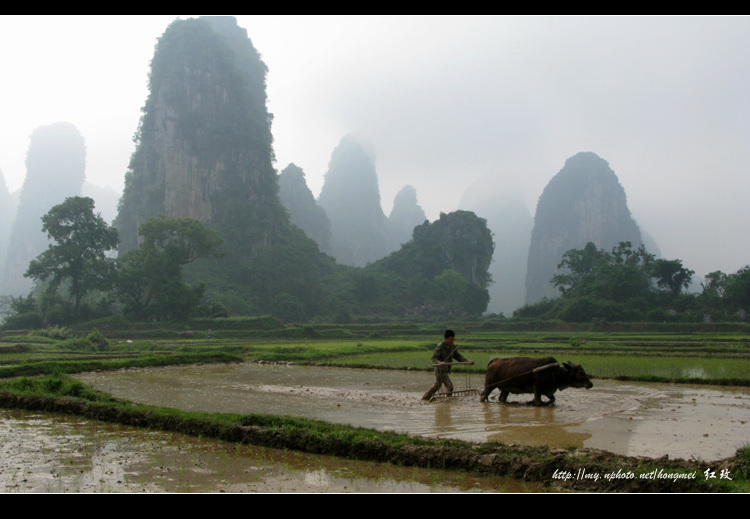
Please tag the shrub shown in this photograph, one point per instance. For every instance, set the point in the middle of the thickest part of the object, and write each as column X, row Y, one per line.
column 56, row 332
column 97, row 339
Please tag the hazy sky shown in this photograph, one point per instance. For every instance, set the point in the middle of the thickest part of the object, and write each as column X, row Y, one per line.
column 443, row 101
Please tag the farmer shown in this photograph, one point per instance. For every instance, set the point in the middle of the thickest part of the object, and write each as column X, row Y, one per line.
column 445, row 353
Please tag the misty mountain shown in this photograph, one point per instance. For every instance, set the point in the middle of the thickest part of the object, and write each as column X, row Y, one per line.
column 105, row 200
column 583, row 203
column 204, row 142
column 510, row 222
column 304, row 211
column 7, row 214
column 204, row 151
column 405, row 215
column 55, row 170
column 351, row 198
column 650, row 243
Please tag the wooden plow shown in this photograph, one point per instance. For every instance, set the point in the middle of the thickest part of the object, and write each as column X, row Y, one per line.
column 461, row 392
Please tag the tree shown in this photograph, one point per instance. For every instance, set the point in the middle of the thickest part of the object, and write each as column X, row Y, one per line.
column 738, row 289
column 457, row 241
column 715, row 284
column 80, row 254
column 578, row 267
column 150, row 280
column 672, row 276
column 453, row 296
column 21, row 313
column 619, row 275
column 620, row 284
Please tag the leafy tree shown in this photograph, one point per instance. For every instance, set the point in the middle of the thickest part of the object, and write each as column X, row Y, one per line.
column 619, row 275
column 150, row 278
column 628, row 274
column 457, row 241
column 672, row 276
column 441, row 272
column 618, row 285
column 454, row 296
column 6, row 303
column 292, row 269
column 23, row 313
column 715, row 283
column 79, row 255
column 712, row 298
column 738, row 289
column 578, row 268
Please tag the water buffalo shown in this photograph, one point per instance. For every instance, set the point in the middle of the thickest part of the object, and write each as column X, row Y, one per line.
column 531, row 375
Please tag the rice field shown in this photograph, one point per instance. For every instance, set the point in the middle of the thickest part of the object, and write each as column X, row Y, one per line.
column 721, row 358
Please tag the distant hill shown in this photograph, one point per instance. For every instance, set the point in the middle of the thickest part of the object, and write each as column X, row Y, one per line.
column 55, row 170
column 105, row 200
column 204, row 151
column 204, row 144
column 304, row 211
column 510, row 222
column 583, row 203
column 405, row 215
column 7, row 214
column 351, row 198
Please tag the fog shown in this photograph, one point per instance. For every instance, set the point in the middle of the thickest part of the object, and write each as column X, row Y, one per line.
column 442, row 101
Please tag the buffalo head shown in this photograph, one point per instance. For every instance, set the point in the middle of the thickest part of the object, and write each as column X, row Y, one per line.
column 576, row 376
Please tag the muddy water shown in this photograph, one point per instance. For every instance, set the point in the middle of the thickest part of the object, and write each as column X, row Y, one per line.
column 48, row 453
column 626, row 418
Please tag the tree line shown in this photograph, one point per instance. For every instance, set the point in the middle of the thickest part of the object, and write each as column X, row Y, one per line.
column 440, row 274
column 147, row 281
column 629, row 284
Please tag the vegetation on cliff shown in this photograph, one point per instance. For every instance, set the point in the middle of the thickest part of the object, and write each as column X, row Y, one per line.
column 203, row 147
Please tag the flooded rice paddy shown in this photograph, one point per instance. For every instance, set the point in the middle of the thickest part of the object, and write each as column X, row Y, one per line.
column 699, row 422
column 48, row 453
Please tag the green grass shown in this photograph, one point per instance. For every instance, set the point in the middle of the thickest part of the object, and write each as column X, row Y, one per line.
column 720, row 358
column 719, row 370
column 45, row 367
column 663, row 367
